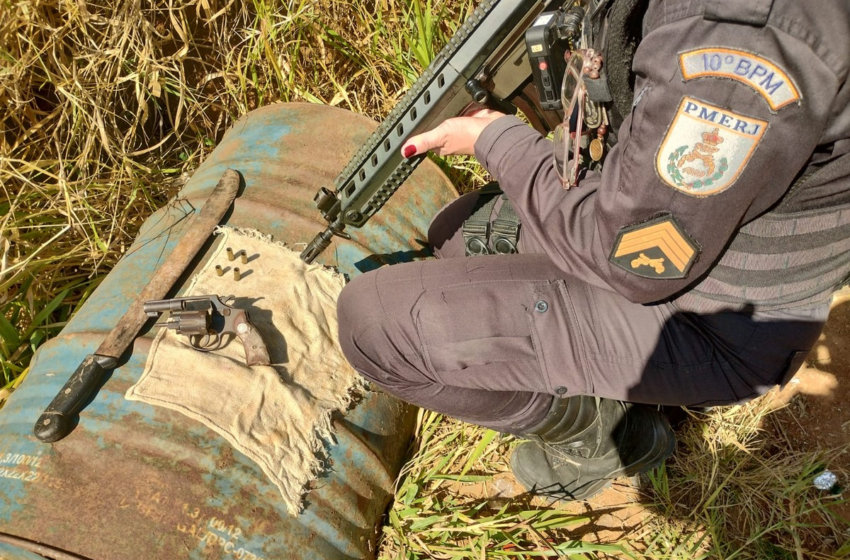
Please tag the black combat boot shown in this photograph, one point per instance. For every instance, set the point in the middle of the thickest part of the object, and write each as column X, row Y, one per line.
column 585, row 442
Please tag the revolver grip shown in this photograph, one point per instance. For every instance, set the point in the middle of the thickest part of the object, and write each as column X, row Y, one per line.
column 256, row 353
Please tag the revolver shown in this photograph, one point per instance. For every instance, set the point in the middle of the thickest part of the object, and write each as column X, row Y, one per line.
column 207, row 321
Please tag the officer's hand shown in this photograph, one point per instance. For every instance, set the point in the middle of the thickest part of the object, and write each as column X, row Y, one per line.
column 454, row 136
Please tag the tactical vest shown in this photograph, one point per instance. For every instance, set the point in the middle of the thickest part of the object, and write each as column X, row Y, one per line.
column 796, row 254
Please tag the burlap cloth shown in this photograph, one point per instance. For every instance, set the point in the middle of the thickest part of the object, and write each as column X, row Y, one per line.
column 276, row 415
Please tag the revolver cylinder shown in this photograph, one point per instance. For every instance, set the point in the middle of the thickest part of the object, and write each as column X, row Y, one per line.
column 190, row 323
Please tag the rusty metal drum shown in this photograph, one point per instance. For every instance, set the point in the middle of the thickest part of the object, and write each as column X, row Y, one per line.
column 134, row 481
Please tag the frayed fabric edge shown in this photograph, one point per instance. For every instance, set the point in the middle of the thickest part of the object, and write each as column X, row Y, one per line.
column 323, row 433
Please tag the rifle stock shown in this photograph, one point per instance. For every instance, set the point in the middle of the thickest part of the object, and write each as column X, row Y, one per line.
column 485, row 63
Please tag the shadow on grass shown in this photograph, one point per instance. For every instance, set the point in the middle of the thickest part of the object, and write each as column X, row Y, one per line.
column 738, row 486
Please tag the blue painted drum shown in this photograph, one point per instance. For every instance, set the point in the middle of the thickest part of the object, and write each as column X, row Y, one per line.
column 134, row 481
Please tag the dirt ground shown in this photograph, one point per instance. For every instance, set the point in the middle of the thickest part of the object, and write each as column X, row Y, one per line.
column 817, row 415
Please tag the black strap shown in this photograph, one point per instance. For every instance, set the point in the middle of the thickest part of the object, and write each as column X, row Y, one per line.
column 476, row 228
column 750, row 12
column 485, row 238
column 505, row 230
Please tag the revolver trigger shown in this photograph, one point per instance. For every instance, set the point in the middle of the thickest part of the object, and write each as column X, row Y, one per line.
column 207, row 344
column 213, row 343
column 195, row 342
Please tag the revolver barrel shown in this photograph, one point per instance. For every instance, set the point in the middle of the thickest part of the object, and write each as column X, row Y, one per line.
column 155, row 307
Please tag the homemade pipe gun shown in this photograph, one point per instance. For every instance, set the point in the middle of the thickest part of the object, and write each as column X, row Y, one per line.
column 207, row 320
column 508, row 55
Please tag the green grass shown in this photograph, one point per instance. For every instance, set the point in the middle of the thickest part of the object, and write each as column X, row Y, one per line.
column 110, row 106
column 430, row 520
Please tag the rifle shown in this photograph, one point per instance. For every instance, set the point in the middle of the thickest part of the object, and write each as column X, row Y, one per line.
column 486, row 62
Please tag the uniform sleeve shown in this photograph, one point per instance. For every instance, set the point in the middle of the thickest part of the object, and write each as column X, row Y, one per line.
column 724, row 118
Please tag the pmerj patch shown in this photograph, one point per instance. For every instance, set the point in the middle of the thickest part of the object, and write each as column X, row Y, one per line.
column 706, row 148
column 656, row 249
column 768, row 79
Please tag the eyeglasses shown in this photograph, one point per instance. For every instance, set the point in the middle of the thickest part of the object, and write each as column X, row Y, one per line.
column 568, row 134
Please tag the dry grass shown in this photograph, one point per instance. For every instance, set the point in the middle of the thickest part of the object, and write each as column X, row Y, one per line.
column 737, row 477
column 108, row 106
column 731, row 491
column 433, row 517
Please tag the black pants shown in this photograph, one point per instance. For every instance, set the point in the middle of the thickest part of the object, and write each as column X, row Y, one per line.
column 492, row 339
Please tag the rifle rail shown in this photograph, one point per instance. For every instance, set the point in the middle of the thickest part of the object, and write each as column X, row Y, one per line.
column 377, row 170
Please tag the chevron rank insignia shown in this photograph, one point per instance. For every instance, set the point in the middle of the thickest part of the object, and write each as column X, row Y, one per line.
column 658, row 248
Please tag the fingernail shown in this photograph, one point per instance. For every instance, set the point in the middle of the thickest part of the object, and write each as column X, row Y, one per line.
column 409, row 151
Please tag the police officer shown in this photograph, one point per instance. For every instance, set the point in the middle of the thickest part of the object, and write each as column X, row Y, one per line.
column 695, row 268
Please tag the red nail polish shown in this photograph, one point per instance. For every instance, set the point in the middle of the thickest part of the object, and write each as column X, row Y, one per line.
column 409, row 151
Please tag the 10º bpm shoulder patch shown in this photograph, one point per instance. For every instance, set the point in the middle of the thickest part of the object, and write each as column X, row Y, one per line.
column 770, row 81
column 658, row 248
column 706, row 148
